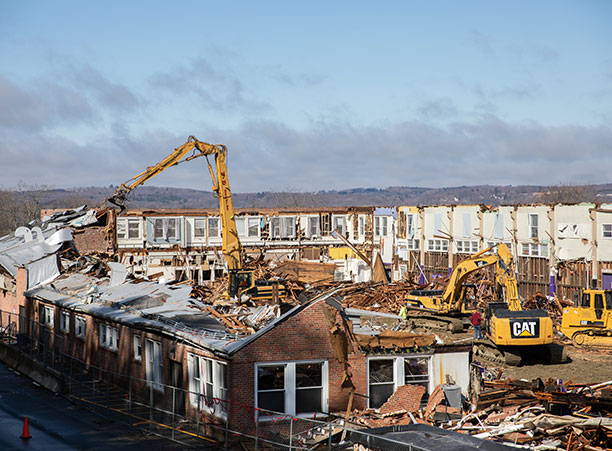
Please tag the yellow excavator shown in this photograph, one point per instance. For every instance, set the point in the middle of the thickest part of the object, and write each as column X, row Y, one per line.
column 513, row 335
column 590, row 323
column 241, row 281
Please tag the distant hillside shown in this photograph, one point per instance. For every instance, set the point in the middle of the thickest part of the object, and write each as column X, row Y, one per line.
column 160, row 197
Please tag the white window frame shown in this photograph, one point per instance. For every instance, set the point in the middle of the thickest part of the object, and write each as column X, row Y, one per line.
column 48, row 313
column 241, row 225
column 80, row 326
column 282, row 227
column 606, row 231
column 213, row 226
column 413, row 244
column 64, row 321
column 253, row 226
column 399, row 377
column 165, row 225
column 410, row 229
column 122, row 228
column 467, row 246
column 138, row 348
column 361, row 221
column 130, row 223
column 532, row 220
column 290, row 388
column 199, row 224
column 313, row 227
column 109, row 337
column 339, row 224
column 154, row 364
column 208, row 379
column 381, row 226
column 437, row 245
column 534, row 250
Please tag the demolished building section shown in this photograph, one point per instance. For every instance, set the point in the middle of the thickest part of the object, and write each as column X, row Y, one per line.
column 331, row 347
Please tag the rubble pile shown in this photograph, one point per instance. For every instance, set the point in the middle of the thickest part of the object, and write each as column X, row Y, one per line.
column 536, row 414
column 553, row 305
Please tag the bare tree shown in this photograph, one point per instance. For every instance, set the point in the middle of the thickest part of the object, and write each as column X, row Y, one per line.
column 21, row 205
column 568, row 193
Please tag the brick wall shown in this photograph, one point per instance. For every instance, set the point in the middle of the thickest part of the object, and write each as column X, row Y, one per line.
column 305, row 336
column 10, row 302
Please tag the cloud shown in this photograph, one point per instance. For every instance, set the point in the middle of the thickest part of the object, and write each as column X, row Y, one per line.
column 441, row 108
column 113, row 96
column 41, row 105
column 213, row 88
column 267, row 155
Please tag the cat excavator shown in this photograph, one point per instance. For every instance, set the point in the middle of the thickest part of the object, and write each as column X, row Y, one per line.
column 589, row 324
column 241, row 281
column 513, row 335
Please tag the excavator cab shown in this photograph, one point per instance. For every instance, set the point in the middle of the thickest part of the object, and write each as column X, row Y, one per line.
column 240, row 282
column 243, row 282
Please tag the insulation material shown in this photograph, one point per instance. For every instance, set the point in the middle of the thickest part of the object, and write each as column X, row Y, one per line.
column 573, row 230
column 42, row 271
column 498, row 228
column 467, row 225
column 118, row 273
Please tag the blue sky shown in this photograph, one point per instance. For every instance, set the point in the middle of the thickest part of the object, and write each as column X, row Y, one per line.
column 308, row 95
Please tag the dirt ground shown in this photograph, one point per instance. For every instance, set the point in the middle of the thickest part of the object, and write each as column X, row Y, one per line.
column 585, row 366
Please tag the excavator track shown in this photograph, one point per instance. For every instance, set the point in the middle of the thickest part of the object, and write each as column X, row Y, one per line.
column 518, row 355
column 593, row 338
column 488, row 351
column 444, row 323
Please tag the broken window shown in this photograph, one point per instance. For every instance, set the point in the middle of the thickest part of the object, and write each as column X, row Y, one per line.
column 326, row 224
column 213, row 228
column 199, row 228
column 380, row 226
column 121, row 228
column 241, row 225
column 253, row 227
column 64, row 322
column 340, row 224
column 416, row 371
column 606, row 230
column 165, row 228
column 313, row 227
column 46, row 315
column 386, row 374
column 137, row 347
column 133, row 228
column 79, row 326
column 413, row 245
column 207, row 384
column 533, row 225
column 109, row 337
column 154, row 366
column 410, row 226
column 381, row 381
column 283, row 227
column 362, row 225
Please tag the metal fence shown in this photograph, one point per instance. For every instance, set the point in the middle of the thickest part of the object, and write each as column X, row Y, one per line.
column 159, row 409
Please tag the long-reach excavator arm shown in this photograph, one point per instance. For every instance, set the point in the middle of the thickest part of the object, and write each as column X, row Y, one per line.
column 240, row 280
